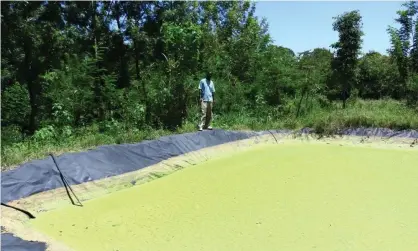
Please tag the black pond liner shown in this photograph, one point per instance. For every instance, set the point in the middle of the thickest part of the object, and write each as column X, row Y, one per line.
column 111, row 160
column 10, row 242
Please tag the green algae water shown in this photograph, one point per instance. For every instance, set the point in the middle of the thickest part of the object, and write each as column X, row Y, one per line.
column 283, row 197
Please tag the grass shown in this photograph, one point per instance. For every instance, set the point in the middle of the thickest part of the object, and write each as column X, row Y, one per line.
column 379, row 113
column 359, row 113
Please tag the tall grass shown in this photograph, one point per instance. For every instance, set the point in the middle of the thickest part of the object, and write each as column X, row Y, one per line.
column 359, row 113
column 377, row 113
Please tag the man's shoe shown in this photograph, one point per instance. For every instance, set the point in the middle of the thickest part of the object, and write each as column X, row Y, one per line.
column 200, row 128
column 210, row 128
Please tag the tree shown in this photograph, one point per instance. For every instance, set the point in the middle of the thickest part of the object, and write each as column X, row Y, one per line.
column 31, row 44
column 349, row 27
column 316, row 68
column 414, row 50
column 404, row 50
column 378, row 77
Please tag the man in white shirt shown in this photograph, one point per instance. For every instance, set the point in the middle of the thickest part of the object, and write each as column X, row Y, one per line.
column 207, row 99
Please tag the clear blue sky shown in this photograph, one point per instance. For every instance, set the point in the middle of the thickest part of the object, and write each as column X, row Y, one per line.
column 306, row 25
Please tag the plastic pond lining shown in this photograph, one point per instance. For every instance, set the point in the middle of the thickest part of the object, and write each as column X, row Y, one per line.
column 11, row 242
column 54, row 182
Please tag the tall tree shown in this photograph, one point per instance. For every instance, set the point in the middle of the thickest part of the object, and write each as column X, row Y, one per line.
column 404, row 48
column 414, row 50
column 31, row 44
column 316, row 66
column 349, row 27
column 404, row 40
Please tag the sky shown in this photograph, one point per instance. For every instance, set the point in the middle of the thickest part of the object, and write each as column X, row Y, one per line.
column 302, row 26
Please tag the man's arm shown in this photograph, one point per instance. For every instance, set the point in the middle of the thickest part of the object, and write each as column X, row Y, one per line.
column 200, row 91
column 213, row 92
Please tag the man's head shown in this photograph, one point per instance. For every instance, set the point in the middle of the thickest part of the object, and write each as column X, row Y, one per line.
column 208, row 75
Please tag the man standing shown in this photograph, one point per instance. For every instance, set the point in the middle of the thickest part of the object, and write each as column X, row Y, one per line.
column 207, row 99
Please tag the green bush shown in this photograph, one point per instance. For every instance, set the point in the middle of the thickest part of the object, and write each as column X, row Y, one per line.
column 15, row 107
column 45, row 134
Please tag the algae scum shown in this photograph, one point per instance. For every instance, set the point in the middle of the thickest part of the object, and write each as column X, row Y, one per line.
column 282, row 197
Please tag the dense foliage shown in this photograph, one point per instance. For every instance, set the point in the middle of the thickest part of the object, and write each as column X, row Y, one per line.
column 71, row 64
